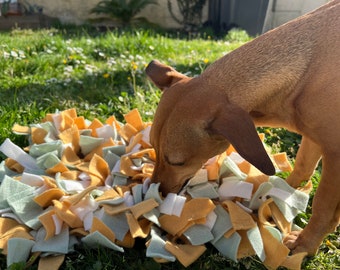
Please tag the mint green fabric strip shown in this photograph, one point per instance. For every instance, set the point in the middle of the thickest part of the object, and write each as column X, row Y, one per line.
column 111, row 159
column 117, row 223
column 229, row 167
column 207, row 190
column 222, row 223
column 153, row 216
column 18, row 250
column 153, row 193
column 119, row 179
column 289, row 200
column 59, row 244
column 26, row 209
column 137, row 192
column 119, row 150
column 275, row 232
column 70, row 186
column 232, row 187
column 198, row 234
column 255, row 238
column 229, row 246
column 156, row 248
column 94, row 239
column 37, row 150
column 10, row 186
column 52, row 133
column 258, row 197
column 73, row 241
column 137, row 161
column 96, row 193
column 5, row 171
column 88, row 143
column 289, row 212
column 85, row 132
column 48, row 160
column 297, row 198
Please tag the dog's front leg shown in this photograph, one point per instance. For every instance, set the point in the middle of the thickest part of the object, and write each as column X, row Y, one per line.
column 326, row 210
column 306, row 161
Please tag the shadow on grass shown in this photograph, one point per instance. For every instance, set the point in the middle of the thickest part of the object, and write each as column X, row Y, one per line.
column 93, row 89
column 88, row 30
column 93, row 96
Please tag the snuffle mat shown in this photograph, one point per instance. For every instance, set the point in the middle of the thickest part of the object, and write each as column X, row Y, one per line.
column 88, row 182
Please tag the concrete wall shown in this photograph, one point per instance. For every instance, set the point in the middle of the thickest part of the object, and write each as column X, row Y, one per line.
column 77, row 11
column 67, row 11
column 282, row 11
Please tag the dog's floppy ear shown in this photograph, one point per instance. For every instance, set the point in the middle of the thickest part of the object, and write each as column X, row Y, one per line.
column 237, row 127
column 162, row 75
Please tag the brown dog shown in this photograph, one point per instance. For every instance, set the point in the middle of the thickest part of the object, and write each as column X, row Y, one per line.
column 288, row 77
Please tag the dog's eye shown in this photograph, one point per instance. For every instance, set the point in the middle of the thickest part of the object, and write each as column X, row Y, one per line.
column 173, row 163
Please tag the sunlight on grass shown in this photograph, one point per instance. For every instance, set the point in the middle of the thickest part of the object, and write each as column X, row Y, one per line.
column 102, row 74
column 55, row 69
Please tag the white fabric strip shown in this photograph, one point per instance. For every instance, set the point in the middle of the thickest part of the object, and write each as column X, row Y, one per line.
column 15, row 152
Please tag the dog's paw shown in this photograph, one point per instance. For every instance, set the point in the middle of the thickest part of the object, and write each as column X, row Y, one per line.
column 290, row 240
column 297, row 243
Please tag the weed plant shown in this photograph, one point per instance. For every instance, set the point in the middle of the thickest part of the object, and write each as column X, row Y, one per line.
column 101, row 73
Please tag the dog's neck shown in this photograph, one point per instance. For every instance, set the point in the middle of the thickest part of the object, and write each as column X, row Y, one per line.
column 261, row 71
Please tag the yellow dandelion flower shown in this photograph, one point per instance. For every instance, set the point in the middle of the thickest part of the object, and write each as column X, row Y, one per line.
column 134, row 66
column 330, row 245
column 65, row 61
column 106, row 75
column 206, row 61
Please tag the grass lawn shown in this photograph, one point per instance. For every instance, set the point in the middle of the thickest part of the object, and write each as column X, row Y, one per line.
column 102, row 74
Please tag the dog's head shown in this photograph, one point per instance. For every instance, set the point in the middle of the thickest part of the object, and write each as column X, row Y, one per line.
column 193, row 124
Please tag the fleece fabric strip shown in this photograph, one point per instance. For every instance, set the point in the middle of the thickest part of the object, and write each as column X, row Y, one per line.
column 88, row 183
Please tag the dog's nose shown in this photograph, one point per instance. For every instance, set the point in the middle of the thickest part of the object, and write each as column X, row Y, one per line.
column 167, row 188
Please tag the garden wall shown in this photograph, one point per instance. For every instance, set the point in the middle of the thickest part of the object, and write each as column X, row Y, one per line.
column 77, row 11
column 282, row 11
